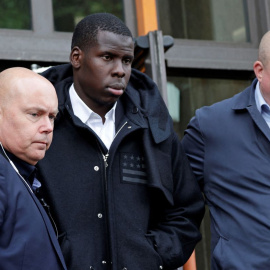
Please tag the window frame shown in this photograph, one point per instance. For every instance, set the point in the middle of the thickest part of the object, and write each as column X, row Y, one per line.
column 43, row 43
column 197, row 54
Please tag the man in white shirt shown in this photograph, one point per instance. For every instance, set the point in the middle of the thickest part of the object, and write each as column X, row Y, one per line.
column 116, row 177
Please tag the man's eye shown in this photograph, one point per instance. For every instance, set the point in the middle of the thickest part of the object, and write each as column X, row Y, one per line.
column 107, row 57
column 52, row 117
column 127, row 61
column 34, row 114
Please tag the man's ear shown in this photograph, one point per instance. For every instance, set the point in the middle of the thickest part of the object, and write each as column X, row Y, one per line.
column 258, row 70
column 76, row 57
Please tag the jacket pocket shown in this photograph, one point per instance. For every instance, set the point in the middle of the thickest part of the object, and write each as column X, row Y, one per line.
column 150, row 239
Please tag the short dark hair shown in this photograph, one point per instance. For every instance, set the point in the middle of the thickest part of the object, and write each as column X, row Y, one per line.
column 85, row 33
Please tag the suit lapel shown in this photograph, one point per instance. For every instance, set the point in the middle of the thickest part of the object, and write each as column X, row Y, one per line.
column 44, row 215
column 49, row 228
column 245, row 101
column 259, row 121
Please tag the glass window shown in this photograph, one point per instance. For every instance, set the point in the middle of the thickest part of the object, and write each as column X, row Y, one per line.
column 185, row 95
column 15, row 14
column 217, row 20
column 69, row 12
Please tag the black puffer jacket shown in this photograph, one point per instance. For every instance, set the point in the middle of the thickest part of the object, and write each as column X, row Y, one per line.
column 136, row 207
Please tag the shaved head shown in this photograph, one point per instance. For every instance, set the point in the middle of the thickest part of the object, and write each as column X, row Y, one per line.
column 10, row 80
column 264, row 49
column 28, row 107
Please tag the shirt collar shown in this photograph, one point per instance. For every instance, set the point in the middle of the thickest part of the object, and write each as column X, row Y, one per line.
column 260, row 102
column 26, row 170
column 82, row 111
column 110, row 115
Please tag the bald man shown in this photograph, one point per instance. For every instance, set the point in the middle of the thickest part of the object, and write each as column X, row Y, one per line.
column 28, row 107
column 228, row 145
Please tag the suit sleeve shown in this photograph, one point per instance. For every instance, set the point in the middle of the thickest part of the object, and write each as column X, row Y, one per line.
column 177, row 232
column 193, row 143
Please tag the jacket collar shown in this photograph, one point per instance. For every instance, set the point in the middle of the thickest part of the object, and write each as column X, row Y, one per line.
column 144, row 95
column 245, row 102
column 246, row 98
column 141, row 101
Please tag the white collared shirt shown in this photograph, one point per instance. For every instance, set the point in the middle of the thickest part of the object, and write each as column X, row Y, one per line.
column 261, row 104
column 106, row 131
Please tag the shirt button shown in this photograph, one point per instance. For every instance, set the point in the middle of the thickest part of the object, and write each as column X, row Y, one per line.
column 160, row 267
column 124, row 268
column 96, row 168
column 103, row 262
column 99, row 215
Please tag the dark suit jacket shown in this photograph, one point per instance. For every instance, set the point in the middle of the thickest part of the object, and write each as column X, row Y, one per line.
column 228, row 145
column 27, row 239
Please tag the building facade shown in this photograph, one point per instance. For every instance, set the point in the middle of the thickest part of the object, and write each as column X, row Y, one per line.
column 215, row 45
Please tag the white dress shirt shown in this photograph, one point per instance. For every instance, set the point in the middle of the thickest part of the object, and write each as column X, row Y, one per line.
column 106, row 131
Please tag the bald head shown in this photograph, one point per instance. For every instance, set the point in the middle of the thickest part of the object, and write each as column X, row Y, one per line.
column 12, row 81
column 28, row 107
column 261, row 67
column 264, row 49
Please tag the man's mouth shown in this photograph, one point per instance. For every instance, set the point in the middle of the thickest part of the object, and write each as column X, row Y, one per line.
column 42, row 143
column 116, row 89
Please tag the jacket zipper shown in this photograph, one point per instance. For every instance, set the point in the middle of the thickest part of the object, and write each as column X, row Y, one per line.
column 105, row 159
column 106, row 156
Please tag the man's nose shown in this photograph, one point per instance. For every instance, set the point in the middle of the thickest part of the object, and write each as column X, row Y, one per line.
column 118, row 69
column 47, row 125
